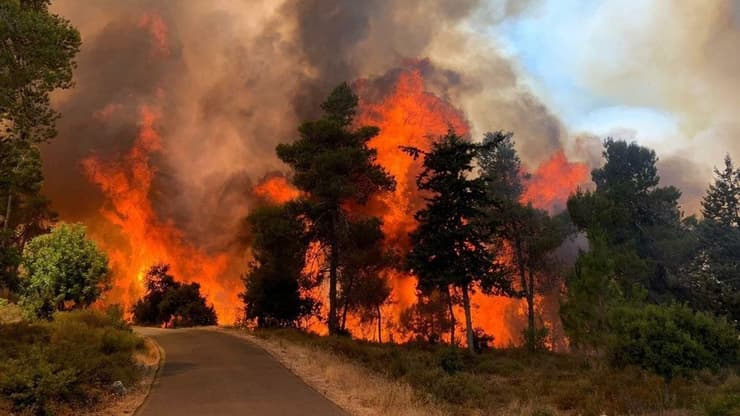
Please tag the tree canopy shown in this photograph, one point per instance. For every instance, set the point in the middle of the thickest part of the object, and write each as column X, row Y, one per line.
column 63, row 270
column 333, row 164
column 450, row 245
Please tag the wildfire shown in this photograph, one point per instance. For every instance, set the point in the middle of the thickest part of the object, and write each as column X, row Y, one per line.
column 140, row 238
column 409, row 115
column 276, row 189
column 554, row 181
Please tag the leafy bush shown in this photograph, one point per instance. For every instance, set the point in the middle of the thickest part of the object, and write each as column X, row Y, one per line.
column 44, row 363
column 671, row 340
column 62, row 270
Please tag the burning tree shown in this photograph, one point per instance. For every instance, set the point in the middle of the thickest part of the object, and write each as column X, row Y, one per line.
column 334, row 166
column 450, row 246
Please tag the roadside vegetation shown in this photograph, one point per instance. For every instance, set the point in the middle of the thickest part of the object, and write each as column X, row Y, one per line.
column 514, row 381
column 67, row 364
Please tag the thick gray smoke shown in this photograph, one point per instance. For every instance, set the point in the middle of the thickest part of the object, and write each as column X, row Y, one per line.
column 233, row 79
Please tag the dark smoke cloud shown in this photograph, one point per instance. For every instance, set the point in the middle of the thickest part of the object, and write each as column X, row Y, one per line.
column 233, row 79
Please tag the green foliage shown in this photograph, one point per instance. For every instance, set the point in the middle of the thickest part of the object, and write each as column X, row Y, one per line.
column 45, row 363
column 170, row 302
column 37, row 58
column 333, row 164
column 450, row 244
column 275, row 282
column 63, row 270
column 592, row 292
column 632, row 213
column 671, row 340
column 530, row 233
column 715, row 279
column 363, row 288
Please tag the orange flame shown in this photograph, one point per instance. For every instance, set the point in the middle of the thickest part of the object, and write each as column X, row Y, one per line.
column 140, row 238
column 554, row 181
column 276, row 189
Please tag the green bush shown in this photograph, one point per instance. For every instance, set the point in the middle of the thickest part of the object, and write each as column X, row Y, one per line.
column 671, row 340
column 63, row 270
column 46, row 363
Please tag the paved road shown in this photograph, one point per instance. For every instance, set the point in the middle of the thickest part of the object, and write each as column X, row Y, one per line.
column 208, row 372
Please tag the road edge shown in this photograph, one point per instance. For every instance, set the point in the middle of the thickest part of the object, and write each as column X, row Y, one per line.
column 155, row 377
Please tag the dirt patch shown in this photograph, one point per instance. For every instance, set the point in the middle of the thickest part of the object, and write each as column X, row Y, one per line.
column 350, row 386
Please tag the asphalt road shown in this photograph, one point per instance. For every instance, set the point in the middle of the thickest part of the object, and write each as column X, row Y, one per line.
column 208, row 372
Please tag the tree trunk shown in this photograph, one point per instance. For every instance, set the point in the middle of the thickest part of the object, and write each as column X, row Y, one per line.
column 6, row 221
column 345, row 306
column 333, row 270
column 529, row 337
column 380, row 327
column 468, row 319
column 453, row 322
column 530, row 311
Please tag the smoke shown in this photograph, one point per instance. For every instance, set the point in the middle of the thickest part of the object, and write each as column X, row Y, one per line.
column 678, row 57
column 233, row 79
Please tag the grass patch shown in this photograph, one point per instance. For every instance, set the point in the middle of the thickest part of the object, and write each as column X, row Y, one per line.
column 513, row 381
column 65, row 362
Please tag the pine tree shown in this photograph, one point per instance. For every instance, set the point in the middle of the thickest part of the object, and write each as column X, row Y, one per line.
column 450, row 245
column 716, row 284
column 334, row 166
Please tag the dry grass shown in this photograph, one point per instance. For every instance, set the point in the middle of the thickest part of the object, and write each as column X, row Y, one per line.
column 352, row 387
column 369, row 378
column 10, row 312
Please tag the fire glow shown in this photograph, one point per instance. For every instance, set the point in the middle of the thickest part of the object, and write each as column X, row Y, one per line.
column 142, row 238
column 405, row 112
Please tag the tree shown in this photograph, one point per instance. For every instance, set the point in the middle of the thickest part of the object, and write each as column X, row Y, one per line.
column 592, row 291
column 671, row 340
column 716, row 282
column 63, row 270
column 450, row 245
column 532, row 234
column 334, row 166
column 170, row 302
column 37, row 57
column 632, row 212
column 275, row 286
column 363, row 288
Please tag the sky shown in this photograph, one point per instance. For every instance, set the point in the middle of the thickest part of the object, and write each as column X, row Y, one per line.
column 662, row 73
column 558, row 73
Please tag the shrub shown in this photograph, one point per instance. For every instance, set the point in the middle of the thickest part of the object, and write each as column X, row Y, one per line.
column 59, row 361
column 671, row 340
column 62, row 270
